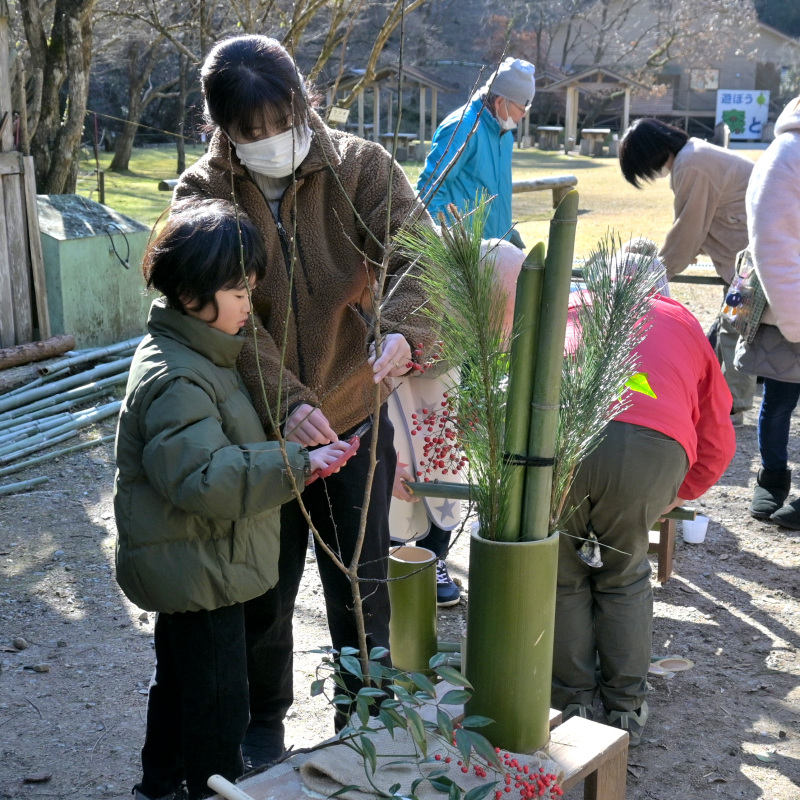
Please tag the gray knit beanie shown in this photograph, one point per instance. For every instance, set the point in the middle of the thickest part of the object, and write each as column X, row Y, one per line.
column 514, row 80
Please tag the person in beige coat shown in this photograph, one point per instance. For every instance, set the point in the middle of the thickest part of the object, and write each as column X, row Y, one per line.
column 326, row 204
column 709, row 184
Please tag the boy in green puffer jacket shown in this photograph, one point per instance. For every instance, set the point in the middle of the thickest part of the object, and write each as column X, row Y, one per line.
column 197, row 495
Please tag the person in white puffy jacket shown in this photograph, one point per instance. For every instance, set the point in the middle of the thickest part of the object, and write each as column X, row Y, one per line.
column 773, row 214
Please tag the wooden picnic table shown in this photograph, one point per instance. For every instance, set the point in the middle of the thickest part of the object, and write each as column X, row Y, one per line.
column 592, row 141
column 549, row 136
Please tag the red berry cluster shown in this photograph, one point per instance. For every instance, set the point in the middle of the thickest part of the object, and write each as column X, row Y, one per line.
column 530, row 782
column 419, row 365
column 440, row 451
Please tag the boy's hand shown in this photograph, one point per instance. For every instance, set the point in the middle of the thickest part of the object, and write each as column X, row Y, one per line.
column 308, row 426
column 395, row 355
column 324, row 457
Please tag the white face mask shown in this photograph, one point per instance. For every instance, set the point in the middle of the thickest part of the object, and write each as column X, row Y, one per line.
column 507, row 124
column 276, row 156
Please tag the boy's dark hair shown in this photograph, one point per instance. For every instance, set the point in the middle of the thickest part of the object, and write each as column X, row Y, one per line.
column 645, row 148
column 199, row 252
column 252, row 81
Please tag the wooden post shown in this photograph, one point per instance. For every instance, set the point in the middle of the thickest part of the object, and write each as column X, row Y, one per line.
column 361, row 113
column 7, row 136
column 101, row 187
column 626, row 109
column 35, row 247
column 434, row 108
column 376, row 113
column 422, row 114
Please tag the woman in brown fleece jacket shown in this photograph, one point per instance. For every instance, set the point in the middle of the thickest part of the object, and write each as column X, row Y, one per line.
column 320, row 199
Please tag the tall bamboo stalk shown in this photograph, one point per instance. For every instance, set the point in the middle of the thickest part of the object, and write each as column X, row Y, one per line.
column 547, row 376
column 520, row 384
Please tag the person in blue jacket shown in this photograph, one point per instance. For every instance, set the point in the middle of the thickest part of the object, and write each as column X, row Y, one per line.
column 471, row 149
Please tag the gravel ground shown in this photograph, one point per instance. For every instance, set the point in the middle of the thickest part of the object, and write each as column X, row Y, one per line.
column 76, row 656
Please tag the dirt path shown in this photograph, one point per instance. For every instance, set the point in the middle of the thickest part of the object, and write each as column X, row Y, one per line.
column 72, row 702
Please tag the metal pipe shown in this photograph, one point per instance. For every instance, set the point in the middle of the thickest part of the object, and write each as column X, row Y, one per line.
column 22, row 485
column 31, row 462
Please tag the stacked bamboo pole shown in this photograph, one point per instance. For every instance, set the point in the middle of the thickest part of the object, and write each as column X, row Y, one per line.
column 57, row 405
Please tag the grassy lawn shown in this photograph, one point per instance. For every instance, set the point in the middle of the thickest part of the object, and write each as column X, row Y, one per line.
column 607, row 202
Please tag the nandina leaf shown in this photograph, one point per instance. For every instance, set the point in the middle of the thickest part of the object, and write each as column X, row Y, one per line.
column 479, row 792
column 452, row 675
column 484, row 748
column 399, row 720
column 387, row 721
column 424, row 683
column 345, row 789
column 349, row 651
column 377, row 653
column 362, row 710
column 438, row 659
column 455, row 697
column 342, row 699
column 464, row 744
column 638, row 383
column 376, row 672
column 371, row 691
column 369, row 752
column 475, row 721
column 352, row 665
column 444, row 723
column 317, row 687
column 417, row 730
column 442, row 783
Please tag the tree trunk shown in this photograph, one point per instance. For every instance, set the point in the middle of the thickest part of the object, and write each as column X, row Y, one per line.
column 183, row 93
column 63, row 54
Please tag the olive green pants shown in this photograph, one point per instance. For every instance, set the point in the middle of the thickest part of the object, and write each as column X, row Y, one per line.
column 604, row 615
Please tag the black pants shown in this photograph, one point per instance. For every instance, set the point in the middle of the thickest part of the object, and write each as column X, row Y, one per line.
column 335, row 507
column 197, row 709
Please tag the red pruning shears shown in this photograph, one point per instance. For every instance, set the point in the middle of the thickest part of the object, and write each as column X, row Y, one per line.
column 354, row 441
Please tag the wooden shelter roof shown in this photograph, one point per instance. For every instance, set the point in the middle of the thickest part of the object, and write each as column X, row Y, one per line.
column 593, row 79
column 412, row 78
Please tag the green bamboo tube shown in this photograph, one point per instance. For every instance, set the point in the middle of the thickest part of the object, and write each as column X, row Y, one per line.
column 509, row 649
column 454, row 491
column 520, row 384
column 412, row 625
column 547, row 376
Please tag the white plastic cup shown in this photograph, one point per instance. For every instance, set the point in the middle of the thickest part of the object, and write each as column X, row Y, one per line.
column 694, row 530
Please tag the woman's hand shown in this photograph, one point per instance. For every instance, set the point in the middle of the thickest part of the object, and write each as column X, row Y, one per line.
column 323, row 457
column 399, row 488
column 394, row 358
column 678, row 501
column 308, row 426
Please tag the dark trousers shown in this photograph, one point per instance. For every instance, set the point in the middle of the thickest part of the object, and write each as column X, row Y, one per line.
column 335, row 506
column 777, row 404
column 197, row 708
column 607, row 612
column 436, row 540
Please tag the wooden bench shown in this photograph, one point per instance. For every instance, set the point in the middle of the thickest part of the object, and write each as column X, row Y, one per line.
column 662, row 541
column 586, row 751
column 592, row 141
column 558, row 184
